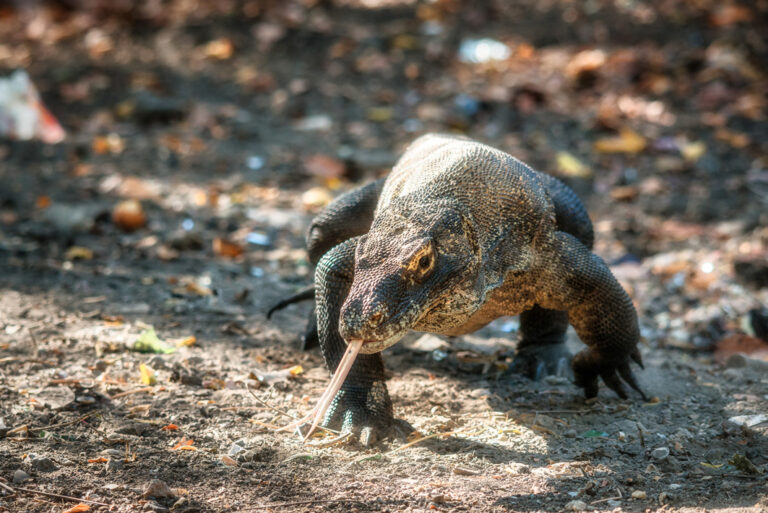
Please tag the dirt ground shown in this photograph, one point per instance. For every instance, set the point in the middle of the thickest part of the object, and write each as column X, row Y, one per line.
column 234, row 122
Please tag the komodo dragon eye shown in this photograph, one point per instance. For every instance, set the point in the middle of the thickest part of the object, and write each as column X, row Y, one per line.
column 422, row 263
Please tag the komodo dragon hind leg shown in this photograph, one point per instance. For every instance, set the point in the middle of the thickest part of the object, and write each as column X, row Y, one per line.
column 541, row 350
column 362, row 406
column 347, row 216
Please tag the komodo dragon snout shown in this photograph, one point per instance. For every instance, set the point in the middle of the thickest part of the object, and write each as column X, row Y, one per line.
column 404, row 273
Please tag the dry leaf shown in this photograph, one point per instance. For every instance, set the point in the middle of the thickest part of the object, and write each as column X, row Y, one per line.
column 219, row 49
column 324, row 166
column 78, row 253
column 43, row 202
column 79, row 508
column 569, row 165
column 184, row 443
column 316, row 198
column 170, row 427
column 227, row 249
column 186, row 341
column 628, row 141
column 101, row 459
column 129, row 215
column 147, row 374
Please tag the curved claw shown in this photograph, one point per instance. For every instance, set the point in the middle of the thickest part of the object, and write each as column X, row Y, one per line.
column 626, row 374
column 587, row 367
column 612, row 381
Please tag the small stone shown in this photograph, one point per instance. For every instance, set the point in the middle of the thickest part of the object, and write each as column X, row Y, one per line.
column 156, row 507
column 56, row 398
column 748, row 420
column 576, row 506
column 20, row 476
column 157, row 489
column 157, row 362
column 639, row 494
column 114, row 465
column 570, row 433
column 43, row 464
column 226, row 460
column 556, row 380
column 185, row 505
column 235, row 449
column 464, row 471
column 660, row 453
column 516, row 468
column 112, row 453
column 428, row 343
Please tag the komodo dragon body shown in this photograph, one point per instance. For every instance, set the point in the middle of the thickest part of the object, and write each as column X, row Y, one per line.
column 456, row 236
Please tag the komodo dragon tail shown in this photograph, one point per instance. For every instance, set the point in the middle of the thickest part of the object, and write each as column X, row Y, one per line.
column 302, row 295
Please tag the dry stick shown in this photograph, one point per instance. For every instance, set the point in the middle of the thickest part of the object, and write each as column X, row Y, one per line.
column 266, row 404
column 130, row 392
column 7, row 488
column 301, row 503
column 606, row 500
column 277, row 410
column 62, row 424
column 65, row 497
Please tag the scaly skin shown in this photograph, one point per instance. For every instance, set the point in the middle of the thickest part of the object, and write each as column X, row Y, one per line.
column 456, row 236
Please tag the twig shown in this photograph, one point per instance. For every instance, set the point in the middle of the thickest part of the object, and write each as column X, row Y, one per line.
column 281, row 412
column 301, row 503
column 64, row 497
column 135, row 391
column 7, row 488
column 606, row 500
column 266, row 404
column 62, row 424
column 565, row 411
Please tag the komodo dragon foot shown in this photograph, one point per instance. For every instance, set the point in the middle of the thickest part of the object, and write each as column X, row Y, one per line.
column 366, row 413
column 539, row 361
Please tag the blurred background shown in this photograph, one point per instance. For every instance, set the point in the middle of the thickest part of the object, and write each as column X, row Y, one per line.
column 161, row 159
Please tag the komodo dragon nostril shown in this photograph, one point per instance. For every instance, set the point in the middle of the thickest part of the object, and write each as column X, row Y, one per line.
column 375, row 319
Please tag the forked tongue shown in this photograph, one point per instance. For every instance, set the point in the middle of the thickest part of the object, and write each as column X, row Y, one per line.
column 318, row 412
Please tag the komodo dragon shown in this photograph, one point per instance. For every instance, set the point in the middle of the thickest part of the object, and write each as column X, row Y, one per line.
column 456, row 236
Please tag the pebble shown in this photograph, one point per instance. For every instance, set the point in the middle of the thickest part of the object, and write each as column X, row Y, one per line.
column 226, row 460
column 748, row 420
column 464, row 471
column 114, row 465
column 428, row 343
column 20, row 476
column 639, row 494
column 157, row 362
column 516, row 468
column 660, row 453
column 156, row 507
column 740, row 361
column 235, row 449
column 576, row 506
column 157, row 489
column 43, row 464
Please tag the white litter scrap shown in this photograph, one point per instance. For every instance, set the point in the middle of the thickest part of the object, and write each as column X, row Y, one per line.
column 22, row 113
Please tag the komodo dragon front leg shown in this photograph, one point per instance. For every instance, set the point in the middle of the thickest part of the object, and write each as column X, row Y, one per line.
column 602, row 313
column 362, row 405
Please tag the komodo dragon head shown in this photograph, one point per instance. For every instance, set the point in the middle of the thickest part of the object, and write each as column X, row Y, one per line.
column 415, row 267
